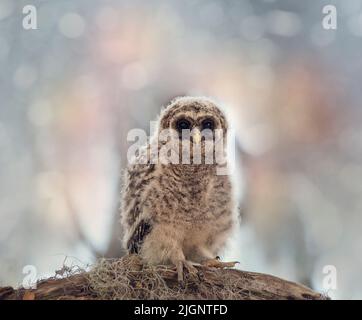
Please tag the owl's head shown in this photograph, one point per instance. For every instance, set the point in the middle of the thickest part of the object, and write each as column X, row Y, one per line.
column 197, row 120
column 196, row 114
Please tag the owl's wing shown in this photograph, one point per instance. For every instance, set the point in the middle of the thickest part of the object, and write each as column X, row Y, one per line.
column 134, row 244
column 135, row 219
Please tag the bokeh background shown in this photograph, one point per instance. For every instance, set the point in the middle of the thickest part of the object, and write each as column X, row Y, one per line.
column 71, row 90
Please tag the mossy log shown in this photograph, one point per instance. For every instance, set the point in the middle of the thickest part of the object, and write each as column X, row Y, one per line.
column 130, row 278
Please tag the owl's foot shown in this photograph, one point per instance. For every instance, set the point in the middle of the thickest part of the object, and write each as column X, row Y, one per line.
column 216, row 263
column 180, row 271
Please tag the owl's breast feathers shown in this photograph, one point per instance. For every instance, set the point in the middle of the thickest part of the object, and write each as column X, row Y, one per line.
column 179, row 195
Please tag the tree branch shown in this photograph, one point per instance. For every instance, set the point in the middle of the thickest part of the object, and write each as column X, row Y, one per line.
column 132, row 279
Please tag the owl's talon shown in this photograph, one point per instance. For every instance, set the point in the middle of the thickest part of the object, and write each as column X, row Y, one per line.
column 215, row 263
column 191, row 270
column 180, row 273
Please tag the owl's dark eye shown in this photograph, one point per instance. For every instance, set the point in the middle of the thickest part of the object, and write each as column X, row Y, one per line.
column 208, row 124
column 183, row 124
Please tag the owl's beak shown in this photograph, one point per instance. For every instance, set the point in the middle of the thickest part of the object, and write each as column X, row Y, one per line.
column 196, row 136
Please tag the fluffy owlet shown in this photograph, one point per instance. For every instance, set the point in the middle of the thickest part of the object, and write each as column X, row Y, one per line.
column 180, row 212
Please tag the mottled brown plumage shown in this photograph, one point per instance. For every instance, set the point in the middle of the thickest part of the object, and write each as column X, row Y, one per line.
column 178, row 213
